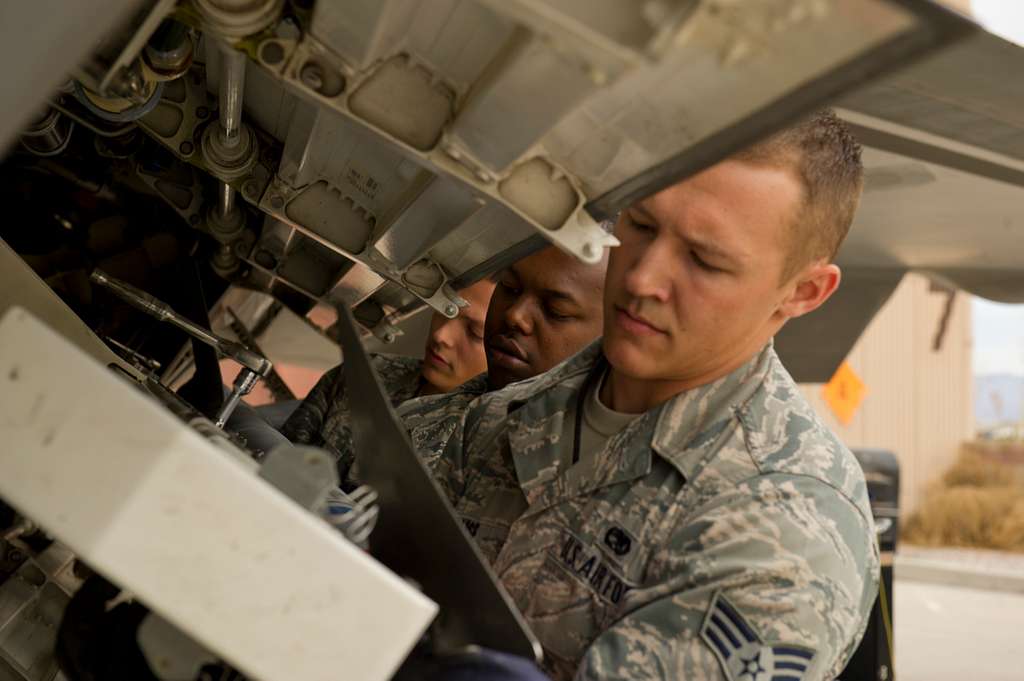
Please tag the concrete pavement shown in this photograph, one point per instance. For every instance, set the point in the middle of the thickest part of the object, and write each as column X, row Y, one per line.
column 947, row 633
column 972, row 568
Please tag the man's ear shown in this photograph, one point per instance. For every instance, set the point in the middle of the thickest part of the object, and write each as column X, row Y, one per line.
column 812, row 287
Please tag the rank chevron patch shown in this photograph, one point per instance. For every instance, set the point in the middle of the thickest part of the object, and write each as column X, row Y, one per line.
column 742, row 654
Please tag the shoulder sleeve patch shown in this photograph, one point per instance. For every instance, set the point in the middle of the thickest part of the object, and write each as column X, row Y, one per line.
column 742, row 653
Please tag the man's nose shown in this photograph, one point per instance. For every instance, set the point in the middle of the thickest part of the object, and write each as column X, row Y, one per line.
column 650, row 274
column 444, row 335
column 519, row 317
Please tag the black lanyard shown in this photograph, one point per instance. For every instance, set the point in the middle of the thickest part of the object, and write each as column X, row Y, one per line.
column 595, row 373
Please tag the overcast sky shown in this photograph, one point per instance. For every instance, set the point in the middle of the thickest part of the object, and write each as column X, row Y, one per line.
column 1005, row 17
column 998, row 328
column 998, row 338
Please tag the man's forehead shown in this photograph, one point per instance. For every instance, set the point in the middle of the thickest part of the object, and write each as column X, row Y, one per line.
column 553, row 272
column 474, row 312
column 690, row 196
column 478, row 295
column 729, row 201
column 689, row 213
column 723, row 185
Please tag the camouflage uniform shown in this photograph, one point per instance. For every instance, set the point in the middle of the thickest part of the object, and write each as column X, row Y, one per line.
column 322, row 420
column 725, row 534
column 431, row 420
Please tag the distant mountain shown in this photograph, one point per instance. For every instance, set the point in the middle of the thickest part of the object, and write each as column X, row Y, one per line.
column 998, row 399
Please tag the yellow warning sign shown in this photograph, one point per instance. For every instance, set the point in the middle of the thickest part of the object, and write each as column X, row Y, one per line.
column 844, row 393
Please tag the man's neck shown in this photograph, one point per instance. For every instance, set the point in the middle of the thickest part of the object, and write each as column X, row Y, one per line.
column 631, row 395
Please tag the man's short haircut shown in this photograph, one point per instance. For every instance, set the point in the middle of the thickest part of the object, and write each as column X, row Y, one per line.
column 826, row 158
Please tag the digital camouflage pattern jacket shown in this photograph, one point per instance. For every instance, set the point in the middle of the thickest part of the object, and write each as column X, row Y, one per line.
column 725, row 534
column 431, row 420
column 322, row 419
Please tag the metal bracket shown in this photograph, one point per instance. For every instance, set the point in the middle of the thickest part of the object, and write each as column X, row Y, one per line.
column 184, row 107
column 387, row 332
column 576, row 233
column 178, row 122
column 280, row 195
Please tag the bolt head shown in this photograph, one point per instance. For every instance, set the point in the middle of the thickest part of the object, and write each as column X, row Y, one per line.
column 265, row 259
column 389, row 338
column 450, row 310
column 272, row 53
column 312, row 76
column 276, row 202
column 186, row 148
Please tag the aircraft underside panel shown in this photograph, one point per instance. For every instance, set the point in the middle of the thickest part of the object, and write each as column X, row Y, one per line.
column 430, row 143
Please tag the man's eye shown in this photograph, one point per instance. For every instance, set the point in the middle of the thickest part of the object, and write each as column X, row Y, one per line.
column 703, row 264
column 639, row 226
column 557, row 316
column 474, row 329
column 508, row 287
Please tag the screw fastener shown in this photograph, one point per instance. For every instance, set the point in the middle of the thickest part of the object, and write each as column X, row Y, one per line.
column 312, row 76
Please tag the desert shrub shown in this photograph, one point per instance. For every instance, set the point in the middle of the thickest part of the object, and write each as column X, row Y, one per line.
column 978, row 503
column 979, row 517
column 973, row 469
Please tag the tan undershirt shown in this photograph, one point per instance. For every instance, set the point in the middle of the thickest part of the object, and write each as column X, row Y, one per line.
column 599, row 424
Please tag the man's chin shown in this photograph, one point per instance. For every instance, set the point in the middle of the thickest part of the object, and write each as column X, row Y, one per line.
column 499, row 377
column 630, row 357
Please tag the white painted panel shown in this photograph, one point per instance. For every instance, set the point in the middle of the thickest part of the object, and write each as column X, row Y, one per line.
column 191, row 531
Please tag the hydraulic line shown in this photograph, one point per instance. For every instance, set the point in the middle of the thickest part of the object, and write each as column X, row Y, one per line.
column 232, row 90
column 225, row 198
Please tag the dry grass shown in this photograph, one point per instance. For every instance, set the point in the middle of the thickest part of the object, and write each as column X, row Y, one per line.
column 978, row 503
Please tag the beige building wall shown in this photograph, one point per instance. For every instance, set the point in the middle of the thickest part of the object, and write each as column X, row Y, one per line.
column 919, row 401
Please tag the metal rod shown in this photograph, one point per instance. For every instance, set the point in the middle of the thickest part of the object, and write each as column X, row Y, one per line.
column 243, row 385
column 156, row 308
column 225, row 199
column 232, row 87
column 162, row 311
